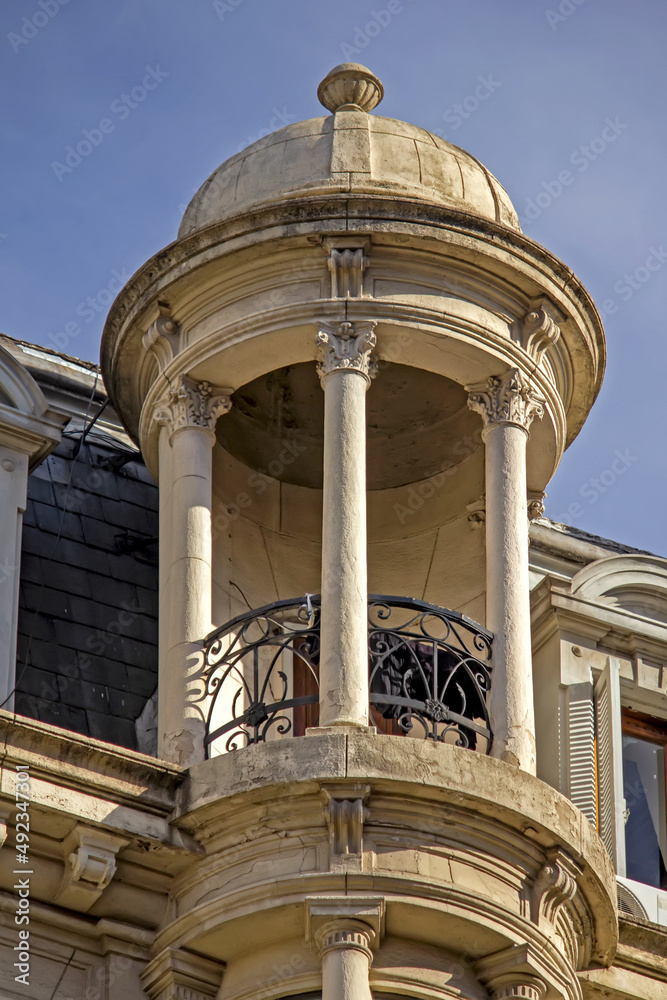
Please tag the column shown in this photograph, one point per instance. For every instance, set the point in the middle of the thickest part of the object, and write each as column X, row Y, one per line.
column 508, row 404
column 345, row 371
column 343, row 930
column 188, row 419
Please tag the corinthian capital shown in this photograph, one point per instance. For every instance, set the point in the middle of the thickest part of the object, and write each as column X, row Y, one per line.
column 346, row 347
column 507, row 399
column 192, row 404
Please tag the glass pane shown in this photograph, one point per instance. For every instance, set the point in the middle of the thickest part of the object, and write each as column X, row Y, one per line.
column 645, row 828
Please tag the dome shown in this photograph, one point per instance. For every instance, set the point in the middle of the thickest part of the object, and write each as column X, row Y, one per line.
column 349, row 152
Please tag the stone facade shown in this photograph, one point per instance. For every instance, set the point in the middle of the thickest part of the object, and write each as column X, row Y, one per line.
column 350, row 373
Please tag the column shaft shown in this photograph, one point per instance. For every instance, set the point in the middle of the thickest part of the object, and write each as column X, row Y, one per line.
column 186, row 442
column 345, row 975
column 345, row 371
column 344, row 630
column 508, row 595
column 508, row 404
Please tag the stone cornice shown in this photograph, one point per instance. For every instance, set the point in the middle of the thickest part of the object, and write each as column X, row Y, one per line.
column 96, row 771
column 610, row 626
column 136, row 307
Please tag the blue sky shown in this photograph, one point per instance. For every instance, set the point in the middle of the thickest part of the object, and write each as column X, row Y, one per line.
column 205, row 77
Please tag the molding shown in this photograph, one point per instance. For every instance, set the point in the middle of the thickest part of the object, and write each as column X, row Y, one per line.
column 346, row 347
column 163, row 336
column 181, row 975
column 508, row 399
column 89, row 868
column 192, row 404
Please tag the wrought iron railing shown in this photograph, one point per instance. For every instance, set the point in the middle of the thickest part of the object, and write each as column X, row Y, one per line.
column 429, row 673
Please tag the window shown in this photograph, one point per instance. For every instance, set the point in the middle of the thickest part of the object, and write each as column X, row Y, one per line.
column 644, row 743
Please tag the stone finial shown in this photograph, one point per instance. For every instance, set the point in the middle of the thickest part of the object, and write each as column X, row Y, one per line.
column 350, row 87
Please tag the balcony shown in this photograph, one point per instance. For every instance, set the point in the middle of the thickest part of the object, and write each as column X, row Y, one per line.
column 429, row 674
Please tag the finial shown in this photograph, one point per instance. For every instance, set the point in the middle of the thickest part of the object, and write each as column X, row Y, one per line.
column 350, row 87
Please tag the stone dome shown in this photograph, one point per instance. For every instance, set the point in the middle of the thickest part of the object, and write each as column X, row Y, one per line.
column 349, row 152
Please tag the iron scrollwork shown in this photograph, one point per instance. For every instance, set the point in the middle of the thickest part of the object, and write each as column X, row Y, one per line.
column 429, row 673
column 255, row 666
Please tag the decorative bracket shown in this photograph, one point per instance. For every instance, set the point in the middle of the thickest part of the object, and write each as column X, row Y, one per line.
column 6, row 810
column 345, row 815
column 535, row 501
column 162, row 336
column 507, row 399
column 193, row 404
column 556, row 882
column 182, row 975
column 540, row 329
column 346, row 347
column 89, row 868
column 347, row 263
column 477, row 512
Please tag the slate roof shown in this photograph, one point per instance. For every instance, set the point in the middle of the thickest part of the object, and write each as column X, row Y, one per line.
column 88, row 596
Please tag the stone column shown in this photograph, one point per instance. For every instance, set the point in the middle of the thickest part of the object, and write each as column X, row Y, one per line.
column 345, row 371
column 343, row 931
column 508, row 404
column 186, row 441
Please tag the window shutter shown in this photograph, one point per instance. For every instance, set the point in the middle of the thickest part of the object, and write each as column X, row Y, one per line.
column 611, row 803
column 581, row 743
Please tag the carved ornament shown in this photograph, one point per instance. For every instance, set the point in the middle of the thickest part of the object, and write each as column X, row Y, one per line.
column 539, row 330
column 162, row 336
column 193, row 404
column 507, row 399
column 346, row 347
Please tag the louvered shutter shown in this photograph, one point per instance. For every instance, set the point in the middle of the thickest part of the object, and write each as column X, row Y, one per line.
column 611, row 803
column 581, row 743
